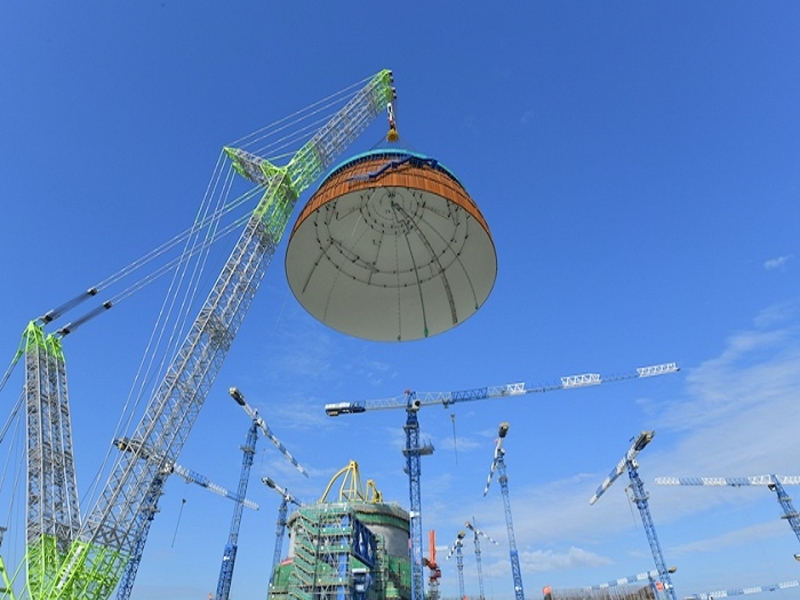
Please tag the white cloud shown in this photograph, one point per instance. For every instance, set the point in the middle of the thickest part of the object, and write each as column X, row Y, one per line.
column 547, row 560
column 777, row 263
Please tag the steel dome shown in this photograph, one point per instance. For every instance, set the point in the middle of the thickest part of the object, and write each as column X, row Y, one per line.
column 391, row 248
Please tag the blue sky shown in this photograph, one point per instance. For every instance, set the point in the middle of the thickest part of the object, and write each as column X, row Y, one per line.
column 637, row 165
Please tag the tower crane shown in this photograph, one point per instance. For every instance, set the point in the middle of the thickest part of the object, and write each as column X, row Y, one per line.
column 412, row 401
column 741, row 591
column 433, row 566
column 458, row 549
column 773, row 482
column 629, row 463
column 499, row 465
column 476, row 535
column 85, row 558
column 248, row 450
column 129, row 575
column 283, row 509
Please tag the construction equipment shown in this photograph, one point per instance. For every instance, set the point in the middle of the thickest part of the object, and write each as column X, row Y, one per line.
column 741, row 591
column 630, row 464
column 499, row 465
column 411, row 402
column 601, row 590
column 773, row 482
column 248, row 452
column 435, row 571
column 457, row 549
column 129, row 575
column 283, row 510
column 476, row 535
column 85, row 558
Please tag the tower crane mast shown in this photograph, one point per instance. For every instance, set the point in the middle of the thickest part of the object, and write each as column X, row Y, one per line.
column 126, row 582
column 629, row 463
column 499, row 465
column 774, row 482
column 248, row 452
column 97, row 554
column 412, row 401
column 476, row 535
column 283, row 511
column 458, row 549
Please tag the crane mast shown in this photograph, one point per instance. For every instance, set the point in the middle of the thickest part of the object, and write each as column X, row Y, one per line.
column 249, row 450
column 476, row 535
column 92, row 565
column 413, row 451
column 458, row 549
column 283, row 511
column 640, row 497
column 229, row 555
column 128, row 577
column 499, row 465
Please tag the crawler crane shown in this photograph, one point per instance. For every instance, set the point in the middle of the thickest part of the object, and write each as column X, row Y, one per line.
column 84, row 558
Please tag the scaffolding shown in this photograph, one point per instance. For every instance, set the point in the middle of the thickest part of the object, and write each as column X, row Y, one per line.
column 337, row 555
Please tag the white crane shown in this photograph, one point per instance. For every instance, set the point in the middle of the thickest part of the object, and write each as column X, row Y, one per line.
column 458, row 549
column 476, row 535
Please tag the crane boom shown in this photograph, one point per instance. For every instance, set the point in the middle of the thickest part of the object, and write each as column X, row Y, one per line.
column 640, row 498
column 194, row 477
column 498, row 391
column 476, row 535
column 106, row 540
column 773, row 482
column 129, row 575
column 280, row 529
column 741, row 591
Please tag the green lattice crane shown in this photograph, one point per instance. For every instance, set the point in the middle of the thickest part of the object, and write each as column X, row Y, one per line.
column 70, row 557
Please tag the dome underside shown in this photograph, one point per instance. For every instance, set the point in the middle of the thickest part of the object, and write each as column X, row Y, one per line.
column 402, row 258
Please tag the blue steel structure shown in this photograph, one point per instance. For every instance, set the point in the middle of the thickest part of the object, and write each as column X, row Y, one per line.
column 741, row 591
column 774, row 482
column 458, row 549
column 630, row 464
column 411, row 402
column 151, row 500
column 499, row 465
column 229, row 554
column 283, row 511
column 248, row 450
column 476, row 535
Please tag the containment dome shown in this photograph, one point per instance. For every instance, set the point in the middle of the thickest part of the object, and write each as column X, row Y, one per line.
column 391, row 248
